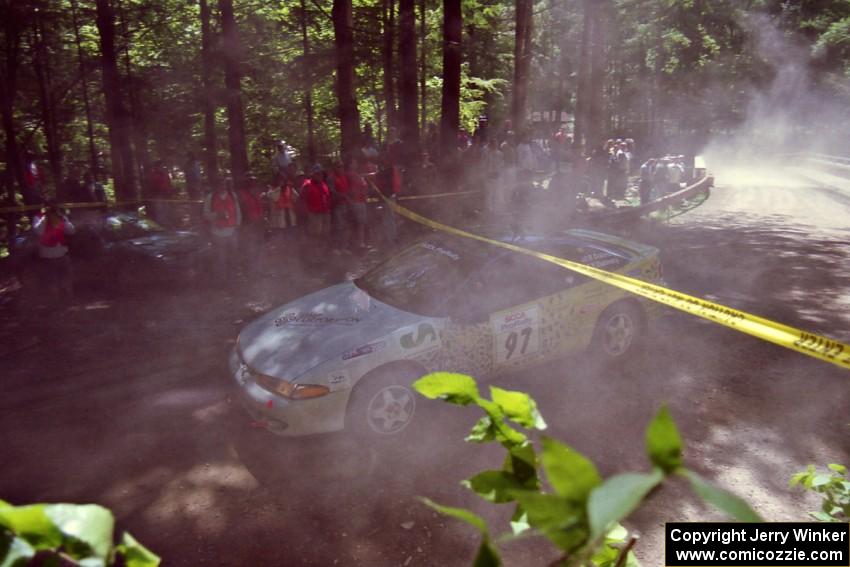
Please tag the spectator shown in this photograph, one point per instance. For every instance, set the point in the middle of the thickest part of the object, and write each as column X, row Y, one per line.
column 52, row 229
column 317, row 197
column 282, row 198
column 340, row 203
column 283, row 158
column 93, row 188
column 32, row 190
column 253, row 228
column 618, row 173
column 358, row 191
column 160, row 189
column 647, row 180
column 75, row 191
column 192, row 174
column 491, row 166
column 222, row 211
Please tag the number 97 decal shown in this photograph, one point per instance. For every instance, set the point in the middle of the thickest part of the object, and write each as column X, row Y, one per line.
column 516, row 333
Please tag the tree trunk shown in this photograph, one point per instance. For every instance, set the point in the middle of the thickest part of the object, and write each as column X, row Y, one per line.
column 349, row 116
column 597, row 78
column 423, row 76
column 210, row 146
column 93, row 164
column 8, row 90
column 116, row 114
column 522, row 60
column 407, row 85
column 582, row 110
column 137, row 122
column 232, row 82
column 308, row 85
column 450, row 108
column 41, row 66
column 389, row 75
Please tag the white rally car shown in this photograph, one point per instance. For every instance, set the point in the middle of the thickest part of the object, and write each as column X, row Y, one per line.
column 344, row 357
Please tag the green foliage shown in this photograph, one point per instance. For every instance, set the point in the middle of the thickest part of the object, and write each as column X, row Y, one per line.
column 575, row 509
column 78, row 534
column 834, row 489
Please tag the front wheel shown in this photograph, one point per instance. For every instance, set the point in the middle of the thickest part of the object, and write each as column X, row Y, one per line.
column 383, row 408
column 618, row 332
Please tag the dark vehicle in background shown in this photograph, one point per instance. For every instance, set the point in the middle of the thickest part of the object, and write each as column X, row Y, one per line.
column 121, row 250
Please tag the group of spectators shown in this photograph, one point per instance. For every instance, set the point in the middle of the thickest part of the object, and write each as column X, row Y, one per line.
column 324, row 207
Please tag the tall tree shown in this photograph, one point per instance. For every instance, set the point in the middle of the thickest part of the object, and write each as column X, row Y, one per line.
column 582, row 113
column 522, row 62
column 137, row 121
column 208, row 96
column 423, row 63
column 233, row 83
column 450, row 107
column 308, row 85
column 407, row 84
column 349, row 116
column 597, row 77
column 389, row 66
column 47, row 98
column 10, row 15
column 117, row 117
column 84, row 85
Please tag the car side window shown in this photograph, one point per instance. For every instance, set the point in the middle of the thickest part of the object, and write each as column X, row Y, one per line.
column 508, row 280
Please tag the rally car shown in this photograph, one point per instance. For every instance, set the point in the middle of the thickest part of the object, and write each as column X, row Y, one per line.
column 344, row 357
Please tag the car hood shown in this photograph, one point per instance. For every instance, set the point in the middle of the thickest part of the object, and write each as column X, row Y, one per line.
column 292, row 339
column 165, row 243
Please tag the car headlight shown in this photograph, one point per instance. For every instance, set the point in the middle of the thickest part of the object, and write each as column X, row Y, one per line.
column 289, row 390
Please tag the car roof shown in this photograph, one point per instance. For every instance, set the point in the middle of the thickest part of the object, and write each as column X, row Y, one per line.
column 569, row 244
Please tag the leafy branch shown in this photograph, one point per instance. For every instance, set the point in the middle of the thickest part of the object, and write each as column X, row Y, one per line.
column 579, row 511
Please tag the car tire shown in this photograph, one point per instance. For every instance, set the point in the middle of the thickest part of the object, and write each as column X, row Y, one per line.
column 384, row 406
column 619, row 332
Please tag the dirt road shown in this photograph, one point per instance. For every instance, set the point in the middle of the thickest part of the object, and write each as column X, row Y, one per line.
column 128, row 404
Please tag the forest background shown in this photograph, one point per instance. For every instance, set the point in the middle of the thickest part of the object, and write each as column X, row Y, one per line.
column 115, row 85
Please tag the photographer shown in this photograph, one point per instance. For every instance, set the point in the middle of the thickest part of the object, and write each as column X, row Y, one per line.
column 52, row 228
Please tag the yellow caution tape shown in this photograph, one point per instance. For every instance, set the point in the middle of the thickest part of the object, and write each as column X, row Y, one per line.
column 811, row 344
column 432, row 196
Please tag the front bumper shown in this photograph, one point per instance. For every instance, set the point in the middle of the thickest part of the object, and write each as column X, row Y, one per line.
column 289, row 418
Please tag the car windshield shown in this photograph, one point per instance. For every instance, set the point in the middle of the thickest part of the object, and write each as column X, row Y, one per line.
column 422, row 278
column 125, row 227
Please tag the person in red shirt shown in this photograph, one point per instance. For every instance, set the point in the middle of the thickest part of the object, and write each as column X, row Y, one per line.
column 160, row 189
column 253, row 229
column 222, row 210
column 358, row 191
column 53, row 229
column 340, row 188
column 282, row 197
column 317, row 197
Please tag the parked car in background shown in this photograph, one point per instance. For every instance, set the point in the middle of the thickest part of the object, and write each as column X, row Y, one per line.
column 121, row 250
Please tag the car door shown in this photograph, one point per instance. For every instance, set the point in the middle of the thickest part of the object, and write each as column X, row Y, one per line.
column 504, row 317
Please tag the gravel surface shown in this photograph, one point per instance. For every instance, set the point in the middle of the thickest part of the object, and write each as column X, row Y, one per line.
column 127, row 403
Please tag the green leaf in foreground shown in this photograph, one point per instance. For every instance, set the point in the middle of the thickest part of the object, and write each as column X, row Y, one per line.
column 486, row 556
column 721, row 499
column 459, row 513
column 454, row 388
column 494, row 486
column 88, row 523
column 32, row 524
column 570, row 473
column 663, row 442
column 14, row 551
column 135, row 554
column 559, row 519
column 618, row 497
column 519, row 407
